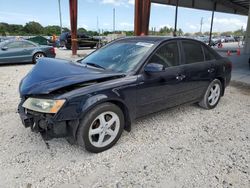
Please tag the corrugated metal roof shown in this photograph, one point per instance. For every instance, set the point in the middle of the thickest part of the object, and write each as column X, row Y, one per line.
column 227, row 6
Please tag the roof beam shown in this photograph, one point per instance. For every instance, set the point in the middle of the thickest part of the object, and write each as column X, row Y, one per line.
column 236, row 7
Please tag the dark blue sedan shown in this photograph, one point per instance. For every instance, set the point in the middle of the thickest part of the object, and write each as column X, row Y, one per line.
column 20, row 51
column 94, row 101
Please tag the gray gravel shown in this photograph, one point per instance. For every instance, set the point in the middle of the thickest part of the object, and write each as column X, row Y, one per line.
column 182, row 147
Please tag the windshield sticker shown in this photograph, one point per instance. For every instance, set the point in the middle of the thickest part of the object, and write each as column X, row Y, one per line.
column 145, row 44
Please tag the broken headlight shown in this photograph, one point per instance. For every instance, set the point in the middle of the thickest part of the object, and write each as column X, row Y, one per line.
column 43, row 105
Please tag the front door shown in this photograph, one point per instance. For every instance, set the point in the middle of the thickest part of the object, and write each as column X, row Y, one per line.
column 160, row 90
column 13, row 52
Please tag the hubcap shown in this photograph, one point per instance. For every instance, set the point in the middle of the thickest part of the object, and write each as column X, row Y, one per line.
column 39, row 56
column 214, row 94
column 104, row 129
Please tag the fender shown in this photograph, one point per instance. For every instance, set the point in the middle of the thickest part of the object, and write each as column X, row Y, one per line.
column 91, row 102
column 101, row 98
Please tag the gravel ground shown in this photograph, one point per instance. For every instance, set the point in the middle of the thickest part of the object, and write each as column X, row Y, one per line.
column 182, row 147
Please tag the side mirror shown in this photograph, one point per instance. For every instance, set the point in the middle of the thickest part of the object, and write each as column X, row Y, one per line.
column 4, row 48
column 153, row 68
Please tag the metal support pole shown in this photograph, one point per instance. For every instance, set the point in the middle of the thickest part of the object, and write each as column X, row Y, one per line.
column 142, row 17
column 73, row 23
column 146, row 16
column 211, row 27
column 60, row 14
column 138, row 15
column 176, row 17
column 247, row 37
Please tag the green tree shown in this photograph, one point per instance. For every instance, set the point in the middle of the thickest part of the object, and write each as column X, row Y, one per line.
column 92, row 33
column 198, row 33
column 52, row 30
column 226, row 33
column 33, row 28
column 129, row 33
column 65, row 29
column 239, row 32
column 4, row 27
column 81, row 30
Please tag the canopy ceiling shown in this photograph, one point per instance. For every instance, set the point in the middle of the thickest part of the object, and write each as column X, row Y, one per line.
column 240, row 7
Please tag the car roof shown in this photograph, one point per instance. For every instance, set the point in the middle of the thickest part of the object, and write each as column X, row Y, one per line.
column 154, row 39
column 15, row 40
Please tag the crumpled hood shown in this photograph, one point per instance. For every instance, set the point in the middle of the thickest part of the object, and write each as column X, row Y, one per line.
column 51, row 74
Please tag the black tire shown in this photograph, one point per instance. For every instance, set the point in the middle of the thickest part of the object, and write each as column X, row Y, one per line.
column 68, row 47
column 83, row 138
column 36, row 56
column 206, row 102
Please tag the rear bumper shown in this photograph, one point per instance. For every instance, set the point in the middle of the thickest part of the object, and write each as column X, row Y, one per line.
column 46, row 124
column 51, row 55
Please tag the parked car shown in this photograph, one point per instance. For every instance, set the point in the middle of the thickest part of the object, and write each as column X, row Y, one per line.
column 92, row 102
column 82, row 40
column 19, row 51
column 229, row 38
column 215, row 41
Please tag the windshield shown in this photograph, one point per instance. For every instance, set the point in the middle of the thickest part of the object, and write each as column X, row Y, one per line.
column 119, row 56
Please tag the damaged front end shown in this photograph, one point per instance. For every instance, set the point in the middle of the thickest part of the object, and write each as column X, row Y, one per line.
column 43, row 107
column 46, row 124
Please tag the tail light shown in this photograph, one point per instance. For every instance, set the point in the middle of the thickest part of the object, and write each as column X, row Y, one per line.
column 52, row 50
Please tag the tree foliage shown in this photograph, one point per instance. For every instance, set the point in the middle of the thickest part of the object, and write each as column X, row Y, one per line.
column 33, row 28
column 52, row 30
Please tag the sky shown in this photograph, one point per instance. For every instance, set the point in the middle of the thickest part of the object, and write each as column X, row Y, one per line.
column 89, row 11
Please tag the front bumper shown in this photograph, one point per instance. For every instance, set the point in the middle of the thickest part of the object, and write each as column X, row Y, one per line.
column 44, row 123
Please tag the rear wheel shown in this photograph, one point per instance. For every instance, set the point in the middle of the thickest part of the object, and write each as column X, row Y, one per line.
column 101, row 128
column 37, row 56
column 68, row 47
column 212, row 95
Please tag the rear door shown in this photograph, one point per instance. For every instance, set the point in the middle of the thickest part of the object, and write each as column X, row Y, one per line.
column 198, row 68
column 28, row 49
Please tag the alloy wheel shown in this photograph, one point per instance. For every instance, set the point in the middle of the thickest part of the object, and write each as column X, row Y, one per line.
column 104, row 129
column 38, row 55
column 214, row 94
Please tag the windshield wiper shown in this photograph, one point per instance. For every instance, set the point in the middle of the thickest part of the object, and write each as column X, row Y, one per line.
column 95, row 65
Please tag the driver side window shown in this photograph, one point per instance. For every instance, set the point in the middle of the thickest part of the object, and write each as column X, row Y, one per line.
column 167, row 55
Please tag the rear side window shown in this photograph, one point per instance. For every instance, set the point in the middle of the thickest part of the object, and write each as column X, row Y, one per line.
column 208, row 55
column 15, row 44
column 193, row 52
column 28, row 45
column 167, row 55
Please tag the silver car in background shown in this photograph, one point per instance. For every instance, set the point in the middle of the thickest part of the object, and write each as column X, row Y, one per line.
column 20, row 51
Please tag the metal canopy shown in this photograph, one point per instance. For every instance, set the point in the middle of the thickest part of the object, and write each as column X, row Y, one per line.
column 240, row 7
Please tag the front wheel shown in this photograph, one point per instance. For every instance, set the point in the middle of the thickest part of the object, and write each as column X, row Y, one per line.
column 212, row 95
column 101, row 128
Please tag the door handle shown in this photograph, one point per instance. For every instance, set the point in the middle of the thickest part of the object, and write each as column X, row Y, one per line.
column 180, row 77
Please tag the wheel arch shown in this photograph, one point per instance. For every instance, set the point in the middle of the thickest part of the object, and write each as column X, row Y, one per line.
column 222, row 80
column 125, row 111
column 36, row 52
column 103, row 99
